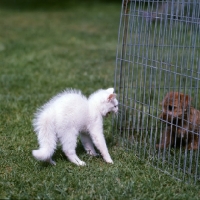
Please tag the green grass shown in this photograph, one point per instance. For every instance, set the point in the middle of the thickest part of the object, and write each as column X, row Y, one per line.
column 43, row 50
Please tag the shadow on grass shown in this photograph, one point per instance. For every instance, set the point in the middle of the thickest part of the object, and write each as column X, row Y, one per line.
column 59, row 155
column 50, row 4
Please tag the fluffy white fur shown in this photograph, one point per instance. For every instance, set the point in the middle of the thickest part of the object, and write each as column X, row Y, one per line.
column 69, row 114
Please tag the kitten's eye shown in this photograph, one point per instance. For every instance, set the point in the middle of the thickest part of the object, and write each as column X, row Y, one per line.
column 170, row 108
column 115, row 106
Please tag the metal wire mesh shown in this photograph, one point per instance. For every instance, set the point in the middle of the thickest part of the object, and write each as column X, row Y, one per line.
column 158, row 52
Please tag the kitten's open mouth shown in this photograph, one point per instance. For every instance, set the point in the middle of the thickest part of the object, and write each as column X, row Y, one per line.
column 108, row 114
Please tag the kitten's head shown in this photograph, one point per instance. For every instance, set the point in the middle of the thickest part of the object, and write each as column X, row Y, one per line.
column 111, row 102
column 105, row 101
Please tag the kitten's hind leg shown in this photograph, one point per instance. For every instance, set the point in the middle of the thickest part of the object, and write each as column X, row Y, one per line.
column 69, row 147
column 71, row 155
column 88, row 144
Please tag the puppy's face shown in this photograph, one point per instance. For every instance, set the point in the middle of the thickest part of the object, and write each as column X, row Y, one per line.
column 175, row 103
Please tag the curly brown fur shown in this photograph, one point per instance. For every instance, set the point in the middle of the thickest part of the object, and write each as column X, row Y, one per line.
column 182, row 122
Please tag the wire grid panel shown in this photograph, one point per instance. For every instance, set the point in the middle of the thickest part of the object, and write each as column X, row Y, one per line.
column 158, row 52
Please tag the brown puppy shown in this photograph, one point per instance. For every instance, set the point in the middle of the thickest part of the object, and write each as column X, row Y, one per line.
column 183, row 122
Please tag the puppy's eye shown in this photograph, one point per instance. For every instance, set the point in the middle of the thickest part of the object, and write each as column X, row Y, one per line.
column 170, row 108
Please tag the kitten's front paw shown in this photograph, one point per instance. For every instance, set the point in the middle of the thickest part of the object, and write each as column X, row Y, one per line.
column 81, row 163
column 109, row 161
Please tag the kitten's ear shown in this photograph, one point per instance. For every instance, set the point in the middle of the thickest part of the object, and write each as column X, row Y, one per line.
column 110, row 90
column 111, row 96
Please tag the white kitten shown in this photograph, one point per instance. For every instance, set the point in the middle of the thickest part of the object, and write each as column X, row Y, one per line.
column 69, row 114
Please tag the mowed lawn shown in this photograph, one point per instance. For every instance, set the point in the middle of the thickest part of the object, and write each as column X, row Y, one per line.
column 45, row 48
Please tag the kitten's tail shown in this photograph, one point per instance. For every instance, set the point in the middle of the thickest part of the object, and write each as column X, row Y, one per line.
column 47, row 140
column 43, row 154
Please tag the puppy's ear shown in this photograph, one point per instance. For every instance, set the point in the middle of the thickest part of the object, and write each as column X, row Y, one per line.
column 185, row 100
column 165, row 100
